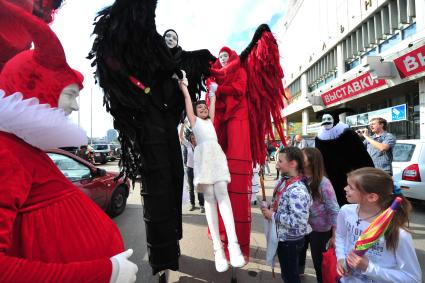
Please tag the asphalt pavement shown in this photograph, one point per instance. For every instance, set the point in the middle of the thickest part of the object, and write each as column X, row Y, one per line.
column 197, row 259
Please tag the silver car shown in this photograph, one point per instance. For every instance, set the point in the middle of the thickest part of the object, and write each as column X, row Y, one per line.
column 409, row 167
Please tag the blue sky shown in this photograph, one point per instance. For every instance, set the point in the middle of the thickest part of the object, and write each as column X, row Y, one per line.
column 199, row 23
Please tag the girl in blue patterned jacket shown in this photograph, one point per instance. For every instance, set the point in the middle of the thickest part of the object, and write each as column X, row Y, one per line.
column 290, row 211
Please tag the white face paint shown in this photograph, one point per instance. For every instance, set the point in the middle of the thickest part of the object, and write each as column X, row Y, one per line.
column 171, row 39
column 327, row 121
column 223, row 57
column 68, row 99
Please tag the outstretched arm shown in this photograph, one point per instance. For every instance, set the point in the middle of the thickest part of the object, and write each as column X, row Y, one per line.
column 211, row 110
column 188, row 103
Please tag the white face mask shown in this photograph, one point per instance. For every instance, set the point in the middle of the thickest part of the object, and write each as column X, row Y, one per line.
column 223, row 57
column 327, row 121
column 171, row 39
column 68, row 99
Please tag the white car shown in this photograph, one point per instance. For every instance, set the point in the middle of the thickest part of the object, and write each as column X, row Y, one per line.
column 409, row 167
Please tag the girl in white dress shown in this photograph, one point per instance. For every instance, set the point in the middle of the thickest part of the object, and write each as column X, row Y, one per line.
column 211, row 176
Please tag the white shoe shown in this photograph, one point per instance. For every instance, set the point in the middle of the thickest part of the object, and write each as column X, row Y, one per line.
column 236, row 256
column 220, row 260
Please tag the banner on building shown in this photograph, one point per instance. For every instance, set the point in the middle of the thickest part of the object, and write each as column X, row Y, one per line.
column 313, row 128
column 391, row 114
column 411, row 63
column 352, row 88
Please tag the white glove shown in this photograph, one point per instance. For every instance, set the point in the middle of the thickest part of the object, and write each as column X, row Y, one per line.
column 213, row 88
column 123, row 270
column 185, row 81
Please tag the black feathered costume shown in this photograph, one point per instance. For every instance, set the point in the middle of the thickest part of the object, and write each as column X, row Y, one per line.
column 135, row 69
column 342, row 151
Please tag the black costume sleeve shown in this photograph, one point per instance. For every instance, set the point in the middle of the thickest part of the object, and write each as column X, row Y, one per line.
column 196, row 64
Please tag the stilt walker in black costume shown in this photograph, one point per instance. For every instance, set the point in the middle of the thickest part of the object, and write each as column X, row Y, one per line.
column 342, row 151
column 135, row 68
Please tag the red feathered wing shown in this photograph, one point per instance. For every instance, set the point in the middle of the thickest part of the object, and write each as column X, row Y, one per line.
column 265, row 91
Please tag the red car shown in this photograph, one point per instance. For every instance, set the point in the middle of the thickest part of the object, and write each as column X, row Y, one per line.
column 95, row 182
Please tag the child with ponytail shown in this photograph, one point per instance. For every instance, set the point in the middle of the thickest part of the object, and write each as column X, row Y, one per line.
column 393, row 259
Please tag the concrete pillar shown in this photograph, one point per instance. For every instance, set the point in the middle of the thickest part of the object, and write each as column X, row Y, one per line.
column 422, row 108
column 420, row 15
column 340, row 60
column 305, row 121
column 343, row 116
column 304, row 114
column 303, row 85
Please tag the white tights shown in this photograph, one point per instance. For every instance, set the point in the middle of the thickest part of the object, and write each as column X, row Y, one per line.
column 213, row 195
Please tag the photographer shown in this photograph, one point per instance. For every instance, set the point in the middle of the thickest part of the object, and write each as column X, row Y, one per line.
column 380, row 144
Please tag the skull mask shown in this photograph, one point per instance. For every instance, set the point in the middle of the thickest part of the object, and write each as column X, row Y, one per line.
column 327, row 121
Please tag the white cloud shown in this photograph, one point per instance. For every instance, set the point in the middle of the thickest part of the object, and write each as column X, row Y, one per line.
column 199, row 24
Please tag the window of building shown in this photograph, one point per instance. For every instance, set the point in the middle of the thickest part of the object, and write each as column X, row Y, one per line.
column 385, row 28
column 409, row 31
column 323, row 71
column 294, row 90
column 390, row 42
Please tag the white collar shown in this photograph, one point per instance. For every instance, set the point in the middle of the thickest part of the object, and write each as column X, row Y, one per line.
column 332, row 133
column 38, row 124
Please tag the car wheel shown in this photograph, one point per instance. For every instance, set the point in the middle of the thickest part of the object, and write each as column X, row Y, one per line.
column 118, row 201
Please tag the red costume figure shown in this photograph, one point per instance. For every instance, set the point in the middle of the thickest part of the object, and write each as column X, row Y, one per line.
column 232, row 125
column 49, row 230
column 248, row 83
column 14, row 38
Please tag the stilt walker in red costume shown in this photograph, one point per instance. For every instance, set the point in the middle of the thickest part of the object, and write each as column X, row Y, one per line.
column 249, row 91
column 49, row 230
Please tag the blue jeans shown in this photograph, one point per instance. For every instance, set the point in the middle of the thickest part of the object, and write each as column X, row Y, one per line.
column 288, row 253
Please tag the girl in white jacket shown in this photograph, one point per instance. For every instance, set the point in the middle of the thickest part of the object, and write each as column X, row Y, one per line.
column 393, row 259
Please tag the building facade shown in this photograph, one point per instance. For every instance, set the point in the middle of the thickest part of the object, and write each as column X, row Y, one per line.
column 111, row 135
column 366, row 55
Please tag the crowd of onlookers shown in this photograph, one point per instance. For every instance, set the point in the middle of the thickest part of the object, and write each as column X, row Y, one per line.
column 306, row 214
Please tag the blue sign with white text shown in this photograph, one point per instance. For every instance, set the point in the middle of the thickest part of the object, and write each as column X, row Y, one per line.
column 398, row 113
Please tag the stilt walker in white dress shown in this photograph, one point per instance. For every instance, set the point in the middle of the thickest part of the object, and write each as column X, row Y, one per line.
column 211, row 176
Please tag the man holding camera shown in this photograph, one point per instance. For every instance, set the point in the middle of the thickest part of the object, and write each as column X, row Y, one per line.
column 380, row 144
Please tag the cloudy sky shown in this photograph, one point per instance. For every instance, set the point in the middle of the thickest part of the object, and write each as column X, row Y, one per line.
column 200, row 24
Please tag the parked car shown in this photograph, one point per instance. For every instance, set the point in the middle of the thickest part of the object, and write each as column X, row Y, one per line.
column 116, row 151
column 103, row 153
column 409, row 167
column 71, row 149
column 95, row 182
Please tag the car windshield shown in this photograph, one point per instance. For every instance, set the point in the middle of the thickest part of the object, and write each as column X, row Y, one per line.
column 402, row 152
column 72, row 169
column 100, row 146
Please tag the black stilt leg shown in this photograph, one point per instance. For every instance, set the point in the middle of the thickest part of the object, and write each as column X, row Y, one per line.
column 234, row 279
column 162, row 277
